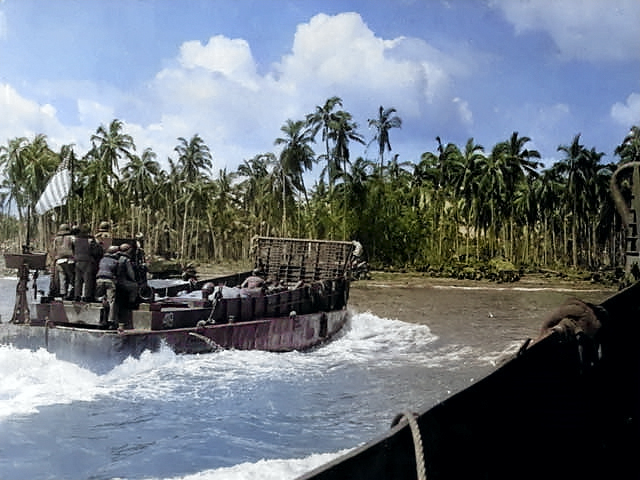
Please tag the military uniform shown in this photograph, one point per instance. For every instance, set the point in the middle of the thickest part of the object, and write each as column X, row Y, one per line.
column 87, row 253
column 63, row 262
column 106, row 282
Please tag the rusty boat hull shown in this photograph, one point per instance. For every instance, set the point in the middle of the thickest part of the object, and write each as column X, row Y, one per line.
column 102, row 349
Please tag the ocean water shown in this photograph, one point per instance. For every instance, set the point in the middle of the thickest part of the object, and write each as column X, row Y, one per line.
column 231, row 414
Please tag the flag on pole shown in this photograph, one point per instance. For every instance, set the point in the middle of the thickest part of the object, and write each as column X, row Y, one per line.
column 56, row 192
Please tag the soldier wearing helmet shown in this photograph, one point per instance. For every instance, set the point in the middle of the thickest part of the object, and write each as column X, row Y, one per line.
column 126, row 284
column 103, row 235
column 63, row 268
column 87, row 253
column 106, row 283
column 207, row 289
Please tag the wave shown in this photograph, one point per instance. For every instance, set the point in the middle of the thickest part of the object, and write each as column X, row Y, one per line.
column 276, row 469
column 36, row 379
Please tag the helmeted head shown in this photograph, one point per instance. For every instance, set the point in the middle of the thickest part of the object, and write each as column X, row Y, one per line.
column 125, row 248
column 104, row 227
column 208, row 288
column 84, row 229
column 64, row 229
column 113, row 249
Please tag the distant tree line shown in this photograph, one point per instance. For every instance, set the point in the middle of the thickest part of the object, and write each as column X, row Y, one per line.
column 459, row 205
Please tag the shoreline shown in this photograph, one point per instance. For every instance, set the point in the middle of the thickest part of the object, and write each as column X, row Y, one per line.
column 526, row 282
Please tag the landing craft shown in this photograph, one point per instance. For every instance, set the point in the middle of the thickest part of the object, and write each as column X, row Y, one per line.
column 301, row 304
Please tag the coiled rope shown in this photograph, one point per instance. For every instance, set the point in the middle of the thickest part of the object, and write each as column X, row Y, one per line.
column 417, row 440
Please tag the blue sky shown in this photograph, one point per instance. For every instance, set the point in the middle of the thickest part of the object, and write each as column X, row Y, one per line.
column 233, row 71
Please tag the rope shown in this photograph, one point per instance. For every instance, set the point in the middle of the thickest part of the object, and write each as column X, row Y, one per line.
column 417, row 441
column 210, row 343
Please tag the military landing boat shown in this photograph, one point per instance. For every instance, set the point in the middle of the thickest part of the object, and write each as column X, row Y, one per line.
column 294, row 299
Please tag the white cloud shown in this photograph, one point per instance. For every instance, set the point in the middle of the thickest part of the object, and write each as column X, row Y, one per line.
column 28, row 119
column 94, row 113
column 581, row 29
column 341, row 53
column 627, row 114
column 229, row 57
column 214, row 90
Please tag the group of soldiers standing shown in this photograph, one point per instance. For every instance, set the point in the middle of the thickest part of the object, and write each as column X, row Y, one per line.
column 90, row 267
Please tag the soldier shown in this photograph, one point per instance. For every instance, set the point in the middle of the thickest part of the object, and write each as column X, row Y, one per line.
column 87, row 252
column 103, row 235
column 106, row 282
column 253, row 281
column 126, row 284
column 62, row 251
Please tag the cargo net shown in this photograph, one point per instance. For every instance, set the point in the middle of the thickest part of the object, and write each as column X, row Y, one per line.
column 293, row 260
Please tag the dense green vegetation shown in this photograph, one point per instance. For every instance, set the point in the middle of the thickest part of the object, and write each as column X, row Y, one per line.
column 457, row 210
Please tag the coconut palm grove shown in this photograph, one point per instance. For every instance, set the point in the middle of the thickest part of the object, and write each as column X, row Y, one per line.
column 455, row 211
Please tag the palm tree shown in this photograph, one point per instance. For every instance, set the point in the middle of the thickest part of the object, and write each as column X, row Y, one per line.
column 579, row 167
column 296, row 157
column 253, row 189
column 468, row 188
column 629, row 150
column 139, row 175
column 193, row 165
column 194, row 158
column 27, row 167
column 139, row 178
column 109, row 146
column 322, row 119
column 343, row 130
column 112, row 145
column 518, row 165
column 385, row 122
column 12, row 164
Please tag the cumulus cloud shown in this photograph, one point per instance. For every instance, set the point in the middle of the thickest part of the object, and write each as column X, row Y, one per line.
column 29, row 118
column 581, row 29
column 214, row 89
column 231, row 58
column 627, row 114
column 341, row 53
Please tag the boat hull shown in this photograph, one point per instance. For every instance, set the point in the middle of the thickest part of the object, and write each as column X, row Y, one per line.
column 554, row 411
column 95, row 348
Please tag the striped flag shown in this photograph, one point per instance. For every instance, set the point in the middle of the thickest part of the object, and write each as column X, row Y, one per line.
column 56, row 192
